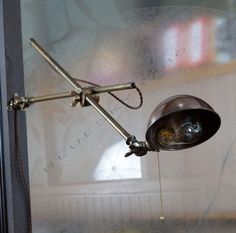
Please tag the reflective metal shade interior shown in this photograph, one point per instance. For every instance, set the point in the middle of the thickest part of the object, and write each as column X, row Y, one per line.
column 181, row 122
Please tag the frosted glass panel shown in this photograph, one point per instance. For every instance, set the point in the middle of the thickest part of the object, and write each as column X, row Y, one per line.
column 80, row 180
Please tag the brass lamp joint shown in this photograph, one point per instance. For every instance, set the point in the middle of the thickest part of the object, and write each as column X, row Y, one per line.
column 83, row 97
column 18, row 103
column 139, row 148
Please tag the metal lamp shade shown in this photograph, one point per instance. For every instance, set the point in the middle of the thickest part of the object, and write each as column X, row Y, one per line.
column 181, row 122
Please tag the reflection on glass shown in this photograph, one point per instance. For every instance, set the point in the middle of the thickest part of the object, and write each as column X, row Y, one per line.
column 170, row 48
column 114, row 166
column 198, row 41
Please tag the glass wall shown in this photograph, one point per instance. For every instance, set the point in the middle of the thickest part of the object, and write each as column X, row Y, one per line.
column 80, row 179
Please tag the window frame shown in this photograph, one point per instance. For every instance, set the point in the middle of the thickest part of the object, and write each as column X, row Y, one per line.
column 12, row 198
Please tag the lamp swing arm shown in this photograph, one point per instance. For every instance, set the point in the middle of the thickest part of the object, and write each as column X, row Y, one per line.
column 137, row 147
column 195, row 121
column 22, row 103
column 158, row 136
column 82, row 95
column 52, row 62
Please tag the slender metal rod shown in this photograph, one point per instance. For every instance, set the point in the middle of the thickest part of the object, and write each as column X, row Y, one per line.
column 75, row 84
column 108, row 117
column 55, row 65
column 51, row 97
column 116, row 87
column 95, row 90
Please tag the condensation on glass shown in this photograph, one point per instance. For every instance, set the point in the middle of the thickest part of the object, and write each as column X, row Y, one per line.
column 80, row 181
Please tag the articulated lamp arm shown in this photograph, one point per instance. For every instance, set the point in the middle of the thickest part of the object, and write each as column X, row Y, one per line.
column 84, row 96
column 177, row 123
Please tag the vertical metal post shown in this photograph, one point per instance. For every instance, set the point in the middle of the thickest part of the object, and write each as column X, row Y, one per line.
column 13, row 206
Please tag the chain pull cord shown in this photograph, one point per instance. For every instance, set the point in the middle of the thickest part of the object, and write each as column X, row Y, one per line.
column 160, row 187
column 116, row 97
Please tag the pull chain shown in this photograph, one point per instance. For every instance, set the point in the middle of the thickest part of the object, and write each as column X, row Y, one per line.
column 161, row 196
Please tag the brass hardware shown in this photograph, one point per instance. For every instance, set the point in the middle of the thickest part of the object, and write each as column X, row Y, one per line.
column 158, row 135
column 111, row 88
column 55, row 65
column 18, row 103
column 21, row 103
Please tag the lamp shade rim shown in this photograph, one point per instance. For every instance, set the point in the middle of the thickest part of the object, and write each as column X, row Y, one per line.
column 210, row 119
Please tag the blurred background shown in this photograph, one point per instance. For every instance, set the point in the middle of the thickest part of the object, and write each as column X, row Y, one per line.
column 80, row 180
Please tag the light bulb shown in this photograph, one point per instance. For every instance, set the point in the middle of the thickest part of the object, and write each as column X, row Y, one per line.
column 180, row 132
